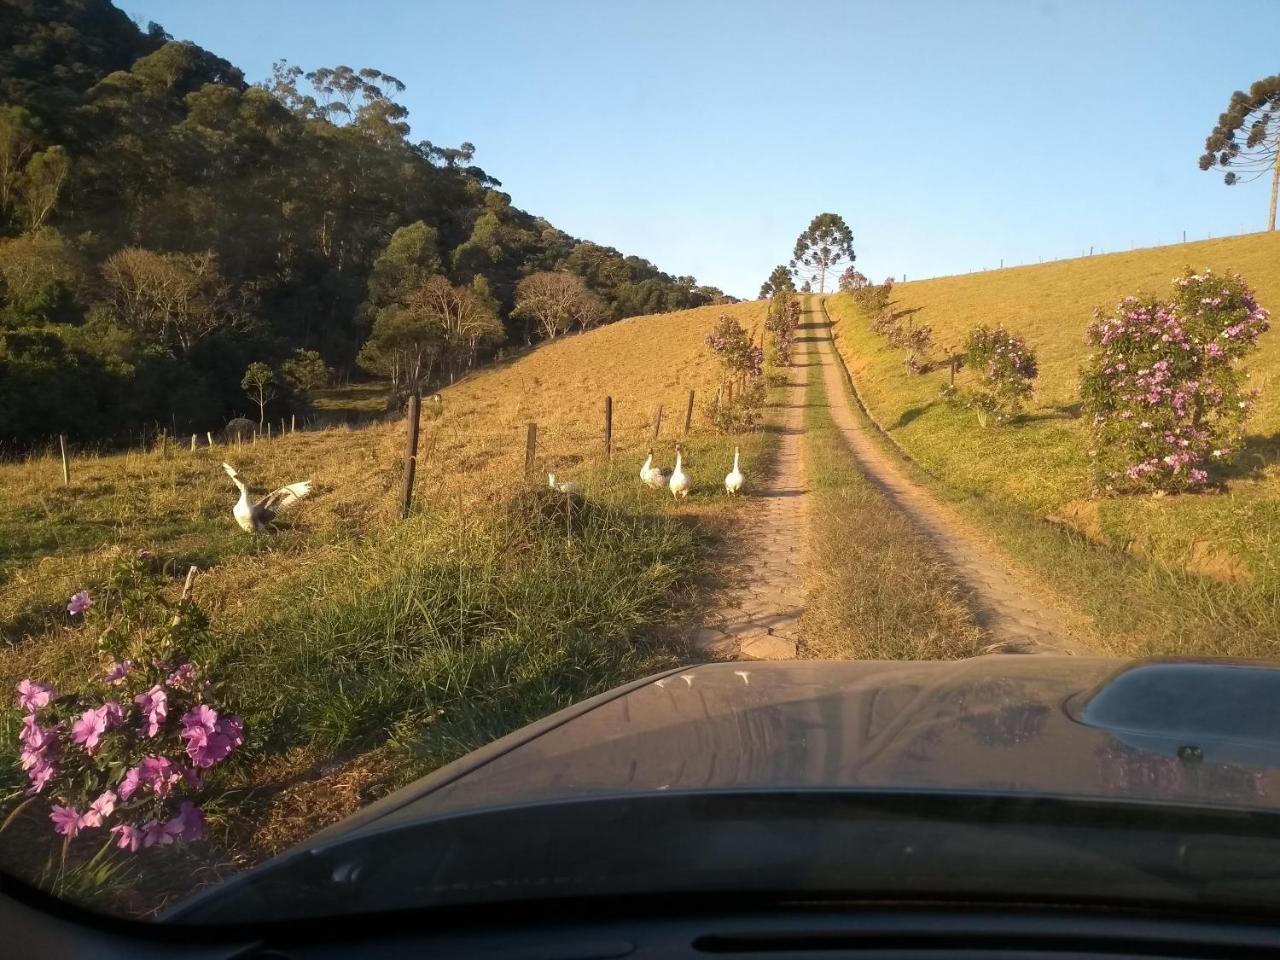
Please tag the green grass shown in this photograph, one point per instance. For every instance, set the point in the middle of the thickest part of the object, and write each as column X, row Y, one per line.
column 877, row 591
column 1198, row 574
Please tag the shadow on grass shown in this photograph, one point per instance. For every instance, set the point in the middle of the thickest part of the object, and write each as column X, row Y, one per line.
column 1259, row 453
column 910, row 416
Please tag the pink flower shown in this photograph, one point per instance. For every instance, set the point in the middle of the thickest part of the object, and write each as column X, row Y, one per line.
column 189, row 822
column 118, row 672
column 154, row 705
column 40, row 775
column 99, row 810
column 156, row 834
column 127, row 837
column 79, row 603
column 158, row 773
column 36, row 737
column 33, row 696
column 66, row 820
column 184, row 678
column 210, row 738
column 131, row 782
column 88, row 730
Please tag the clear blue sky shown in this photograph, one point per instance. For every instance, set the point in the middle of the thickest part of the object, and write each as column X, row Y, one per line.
column 705, row 135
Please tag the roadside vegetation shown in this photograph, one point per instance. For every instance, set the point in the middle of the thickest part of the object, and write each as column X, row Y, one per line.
column 361, row 651
column 1198, row 572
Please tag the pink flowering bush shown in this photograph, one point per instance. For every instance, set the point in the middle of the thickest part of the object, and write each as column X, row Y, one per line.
column 1164, row 393
column 126, row 756
column 1005, row 367
column 738, row 404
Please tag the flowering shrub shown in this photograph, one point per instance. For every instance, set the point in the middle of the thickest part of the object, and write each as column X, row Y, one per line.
column 1164, row 394
column 735, row 349
column 131, row 751
column 852, row 279
column 873, row 298
column 743, row 364
column 1005, row 367
column 782, row 322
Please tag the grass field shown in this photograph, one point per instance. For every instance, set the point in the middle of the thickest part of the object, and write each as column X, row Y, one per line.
column 1198, row 573
column 363, row 651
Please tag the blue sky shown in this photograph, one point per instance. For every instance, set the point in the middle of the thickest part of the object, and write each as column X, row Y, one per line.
column 705, row 135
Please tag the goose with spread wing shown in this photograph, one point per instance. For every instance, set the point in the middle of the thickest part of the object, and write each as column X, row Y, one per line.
column 257, row 517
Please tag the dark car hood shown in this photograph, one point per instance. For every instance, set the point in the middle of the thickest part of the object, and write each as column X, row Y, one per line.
column 1198, row 732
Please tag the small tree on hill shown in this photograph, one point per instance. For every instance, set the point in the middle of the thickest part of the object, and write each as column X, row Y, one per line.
column 259, row 382
column 305, row 371
column 779, row 281
column 557, row 302
column 823, row 247
column 1246, row 140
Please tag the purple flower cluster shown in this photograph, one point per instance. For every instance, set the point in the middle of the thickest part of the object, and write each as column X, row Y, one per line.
column 735, row 348
column 782, row 322
column 1006, row 366
column 1164, row 394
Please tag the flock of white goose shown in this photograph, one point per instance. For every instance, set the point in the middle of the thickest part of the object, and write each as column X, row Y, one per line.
column 677, row 480
column 255, row 516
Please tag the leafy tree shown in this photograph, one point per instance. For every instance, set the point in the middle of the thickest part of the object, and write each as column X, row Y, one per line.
column 466, row 321
column 41, row 276
column 779, row 281
column 41, row 184
column 1246, row 139
column 259, row 382
column 822, row 247
column 305, row 371
column 18, row 140
column 557, row 302
column 169, row 298
column 806, row 287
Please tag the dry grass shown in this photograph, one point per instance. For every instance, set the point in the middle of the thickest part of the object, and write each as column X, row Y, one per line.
column 1200, row 573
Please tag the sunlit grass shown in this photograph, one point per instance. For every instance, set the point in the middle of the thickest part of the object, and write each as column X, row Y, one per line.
column 1197, row 573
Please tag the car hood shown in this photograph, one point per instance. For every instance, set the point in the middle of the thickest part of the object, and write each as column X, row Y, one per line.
column 1198, row 731
column 1203, row 733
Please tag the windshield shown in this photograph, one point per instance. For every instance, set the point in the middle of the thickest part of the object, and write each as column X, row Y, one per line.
column 507, row 447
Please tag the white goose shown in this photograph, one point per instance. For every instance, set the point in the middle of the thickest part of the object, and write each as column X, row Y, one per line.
column 734, row 479
column 652, row 476
column 257, row 517
column 680, row 483
column 566, row 486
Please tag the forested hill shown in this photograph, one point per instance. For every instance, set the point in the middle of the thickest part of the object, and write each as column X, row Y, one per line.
column 164, row 224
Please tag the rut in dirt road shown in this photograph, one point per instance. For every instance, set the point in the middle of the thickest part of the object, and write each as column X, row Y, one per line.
column 1004, row 603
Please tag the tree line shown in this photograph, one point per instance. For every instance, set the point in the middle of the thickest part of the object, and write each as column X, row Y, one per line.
column 164, row 224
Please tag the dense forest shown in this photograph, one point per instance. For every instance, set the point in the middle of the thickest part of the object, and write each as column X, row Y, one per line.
column 166, row 225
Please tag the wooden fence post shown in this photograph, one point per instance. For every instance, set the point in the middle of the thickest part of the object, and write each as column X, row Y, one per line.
column 193, row 443
column 530, row 450
column 688, row 414
column 729, row 403
column 209, row 435
column 657, row 426
column 66, row 460
column 268, row 431
column 410, row 454
column 608, row 428
column 293, row 423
